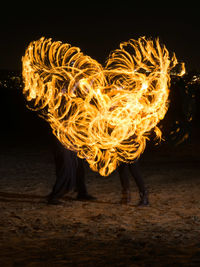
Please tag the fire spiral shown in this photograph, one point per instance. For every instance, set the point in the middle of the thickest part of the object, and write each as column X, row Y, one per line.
column 105, row 114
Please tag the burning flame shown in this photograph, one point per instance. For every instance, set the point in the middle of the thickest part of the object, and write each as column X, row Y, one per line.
column 104, row 114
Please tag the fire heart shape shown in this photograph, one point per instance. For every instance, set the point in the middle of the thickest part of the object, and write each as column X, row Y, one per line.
column 105, row 114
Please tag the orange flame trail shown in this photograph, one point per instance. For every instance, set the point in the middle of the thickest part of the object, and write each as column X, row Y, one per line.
column 104, row 114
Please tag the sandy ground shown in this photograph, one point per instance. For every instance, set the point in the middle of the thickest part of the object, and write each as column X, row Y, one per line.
column 102, row 232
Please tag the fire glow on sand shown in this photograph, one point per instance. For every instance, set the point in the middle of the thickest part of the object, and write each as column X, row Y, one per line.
column 105, row 114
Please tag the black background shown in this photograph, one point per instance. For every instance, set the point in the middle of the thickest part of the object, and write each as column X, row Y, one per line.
column 97, row 28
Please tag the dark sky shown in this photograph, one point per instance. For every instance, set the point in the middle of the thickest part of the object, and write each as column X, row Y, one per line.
column 99, row 29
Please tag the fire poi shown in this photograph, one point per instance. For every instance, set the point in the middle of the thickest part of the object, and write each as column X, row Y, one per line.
column 105, row 114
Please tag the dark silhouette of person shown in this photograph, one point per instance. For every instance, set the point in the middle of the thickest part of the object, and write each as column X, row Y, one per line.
column 70, row 175
column 125, row 183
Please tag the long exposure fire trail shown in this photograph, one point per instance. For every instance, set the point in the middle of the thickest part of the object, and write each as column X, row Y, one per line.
column 105, row 114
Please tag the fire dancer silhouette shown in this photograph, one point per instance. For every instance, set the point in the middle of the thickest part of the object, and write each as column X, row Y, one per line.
column 70, row 175
column 176, row 128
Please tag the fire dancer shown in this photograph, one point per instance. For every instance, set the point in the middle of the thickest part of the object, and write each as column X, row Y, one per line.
column 125, row 183
column 69, row 175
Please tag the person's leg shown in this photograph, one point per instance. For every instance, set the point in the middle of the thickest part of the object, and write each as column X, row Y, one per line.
column 80, row 182
column 80, row 178
column 125, row 184
column 65, row 165
column 135, row 172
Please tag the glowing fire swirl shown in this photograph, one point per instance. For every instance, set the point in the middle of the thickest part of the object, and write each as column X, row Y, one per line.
column 104, row 114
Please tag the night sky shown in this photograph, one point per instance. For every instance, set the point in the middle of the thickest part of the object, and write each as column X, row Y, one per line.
column 100, row 28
